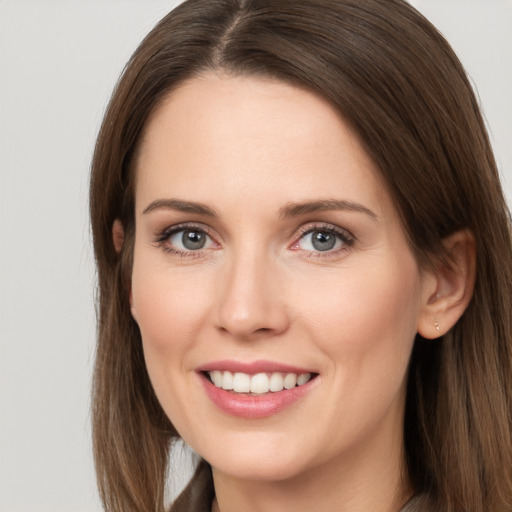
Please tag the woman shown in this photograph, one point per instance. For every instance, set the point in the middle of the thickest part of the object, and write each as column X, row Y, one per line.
column 303, row 254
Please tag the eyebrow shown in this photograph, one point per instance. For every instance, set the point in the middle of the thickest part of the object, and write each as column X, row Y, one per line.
column 288, row 210
column 297, row 209
column 182, row 206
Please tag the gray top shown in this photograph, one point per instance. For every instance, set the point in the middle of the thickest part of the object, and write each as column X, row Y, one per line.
column 411, row 505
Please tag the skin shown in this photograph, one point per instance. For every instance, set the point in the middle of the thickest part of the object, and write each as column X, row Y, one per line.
column 259, row 289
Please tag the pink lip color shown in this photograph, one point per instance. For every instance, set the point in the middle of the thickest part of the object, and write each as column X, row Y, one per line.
column 248, row 405
column 251, row 368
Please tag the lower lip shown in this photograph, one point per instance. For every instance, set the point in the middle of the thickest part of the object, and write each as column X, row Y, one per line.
column 254, row 406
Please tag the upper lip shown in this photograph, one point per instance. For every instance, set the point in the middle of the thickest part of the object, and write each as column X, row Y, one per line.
column 251, row 368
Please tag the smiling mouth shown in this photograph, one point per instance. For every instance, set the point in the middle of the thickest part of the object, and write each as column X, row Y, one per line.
column 259, row 383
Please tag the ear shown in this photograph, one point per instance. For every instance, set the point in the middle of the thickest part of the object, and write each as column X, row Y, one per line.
column 118, row 235
column 449, row 287
column 118, row 240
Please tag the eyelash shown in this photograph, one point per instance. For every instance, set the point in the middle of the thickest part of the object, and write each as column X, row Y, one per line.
column 346, row 238
column 165, row 235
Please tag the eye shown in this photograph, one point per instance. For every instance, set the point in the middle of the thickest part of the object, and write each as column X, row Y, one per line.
column 189, row 240
column 319, row 241
column 185, row 240
column 324, row 239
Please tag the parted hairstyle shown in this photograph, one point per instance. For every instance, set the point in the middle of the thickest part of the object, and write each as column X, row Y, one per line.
column 395, row 80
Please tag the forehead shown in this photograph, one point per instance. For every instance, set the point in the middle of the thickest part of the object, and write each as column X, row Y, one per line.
column 254, row 134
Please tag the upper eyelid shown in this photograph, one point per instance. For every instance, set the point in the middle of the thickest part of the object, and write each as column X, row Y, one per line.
column 309, row 227
column 183, row 226
column 319, row 226
column 162, row 237
column 347, row 238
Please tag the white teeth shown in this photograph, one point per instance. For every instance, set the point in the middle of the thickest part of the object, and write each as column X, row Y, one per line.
column 258, row 383
column 276, row 382
column 241, row 383
column 216, row 378
column 290, row 381
column 303, row 378
column 227, row 380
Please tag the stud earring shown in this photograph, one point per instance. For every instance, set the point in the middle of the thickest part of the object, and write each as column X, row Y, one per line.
column 436, row 325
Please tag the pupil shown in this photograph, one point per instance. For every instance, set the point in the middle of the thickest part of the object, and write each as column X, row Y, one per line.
column 323, row 241
column 193, row 240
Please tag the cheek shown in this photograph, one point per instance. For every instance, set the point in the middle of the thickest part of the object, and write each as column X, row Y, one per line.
column 365, row 321
column 170, row 310
column 169, row 306
column 366, row 328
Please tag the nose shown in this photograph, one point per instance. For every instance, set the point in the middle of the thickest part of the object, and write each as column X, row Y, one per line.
column 252, row 299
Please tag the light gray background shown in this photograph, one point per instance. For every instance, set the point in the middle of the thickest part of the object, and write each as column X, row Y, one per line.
column 59, row 60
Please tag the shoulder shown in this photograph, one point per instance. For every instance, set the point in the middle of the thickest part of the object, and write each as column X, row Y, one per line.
column 412, row 505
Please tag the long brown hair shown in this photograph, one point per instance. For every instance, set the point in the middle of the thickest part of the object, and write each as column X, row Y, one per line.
column 396, row 81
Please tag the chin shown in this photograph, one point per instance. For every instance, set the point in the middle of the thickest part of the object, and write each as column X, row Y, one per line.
column 265, row 460
column 256, row 470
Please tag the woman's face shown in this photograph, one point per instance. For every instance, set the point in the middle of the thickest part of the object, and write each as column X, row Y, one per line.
column 268, row 251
